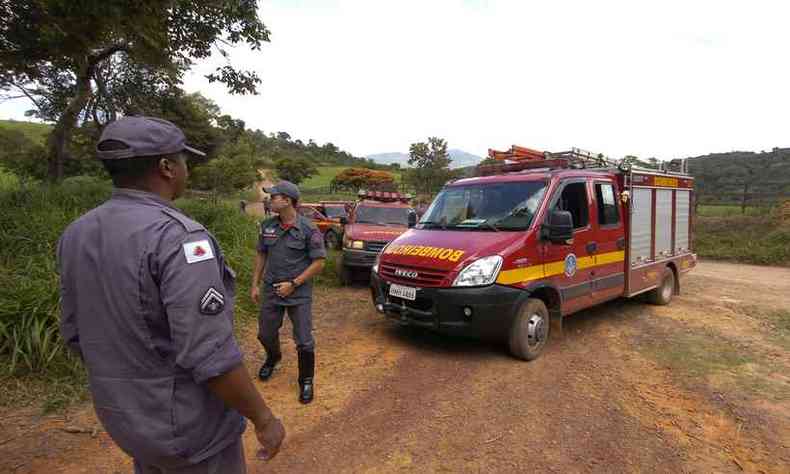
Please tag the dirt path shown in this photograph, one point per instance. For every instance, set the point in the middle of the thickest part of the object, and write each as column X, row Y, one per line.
column 698, row 386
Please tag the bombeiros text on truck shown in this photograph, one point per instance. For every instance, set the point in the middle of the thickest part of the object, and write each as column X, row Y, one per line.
column 508, row 254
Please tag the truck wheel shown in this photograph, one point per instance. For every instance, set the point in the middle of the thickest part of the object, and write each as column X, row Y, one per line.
column 331, row 241
column 530, row 330
column 663, row 293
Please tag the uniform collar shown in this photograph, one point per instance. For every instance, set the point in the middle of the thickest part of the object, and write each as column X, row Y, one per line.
column 145, row 197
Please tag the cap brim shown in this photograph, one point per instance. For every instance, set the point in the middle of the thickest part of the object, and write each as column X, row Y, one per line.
column 194, row 151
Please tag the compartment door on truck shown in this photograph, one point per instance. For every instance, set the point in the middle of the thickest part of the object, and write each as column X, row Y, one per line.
column 608, row 274
column 568, row 266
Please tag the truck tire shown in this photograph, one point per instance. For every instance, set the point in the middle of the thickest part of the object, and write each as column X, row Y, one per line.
column 530, row 330
column 662, row 294
column 331, row 240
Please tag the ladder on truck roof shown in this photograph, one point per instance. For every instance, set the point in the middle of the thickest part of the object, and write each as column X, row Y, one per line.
column 519, row 158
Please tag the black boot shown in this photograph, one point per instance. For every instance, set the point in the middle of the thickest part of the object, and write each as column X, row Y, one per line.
column 306, row 373
column 268, row 367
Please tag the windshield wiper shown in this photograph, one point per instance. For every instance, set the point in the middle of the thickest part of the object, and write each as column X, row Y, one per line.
column 442, row 224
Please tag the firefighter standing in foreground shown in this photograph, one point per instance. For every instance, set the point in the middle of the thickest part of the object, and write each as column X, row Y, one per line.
column 147, row 303
column 290, row 252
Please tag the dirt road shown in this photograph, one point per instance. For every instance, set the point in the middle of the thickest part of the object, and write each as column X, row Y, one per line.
column 698, row 386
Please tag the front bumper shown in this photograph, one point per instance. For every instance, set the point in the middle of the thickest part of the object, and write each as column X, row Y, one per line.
column 359, row 258
column 442, row 309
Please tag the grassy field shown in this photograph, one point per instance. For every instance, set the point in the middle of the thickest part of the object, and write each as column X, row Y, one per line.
column 35, row 131
column 758, row 237
column 326, row 173
column 34, row 366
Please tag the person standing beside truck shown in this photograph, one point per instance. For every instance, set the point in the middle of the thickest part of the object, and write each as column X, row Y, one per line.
column 290, row 252
column 147, row 304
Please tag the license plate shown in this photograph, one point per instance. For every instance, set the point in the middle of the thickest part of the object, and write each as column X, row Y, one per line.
column 405, row 292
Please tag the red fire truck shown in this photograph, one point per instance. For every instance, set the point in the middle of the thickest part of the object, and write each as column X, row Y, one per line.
column 376, row 219
column 508, row 254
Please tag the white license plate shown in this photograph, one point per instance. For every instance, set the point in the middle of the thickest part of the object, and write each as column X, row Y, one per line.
column 405, row 292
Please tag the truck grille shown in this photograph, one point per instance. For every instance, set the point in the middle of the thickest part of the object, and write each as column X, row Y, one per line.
column 373, row 246
column 425, row 277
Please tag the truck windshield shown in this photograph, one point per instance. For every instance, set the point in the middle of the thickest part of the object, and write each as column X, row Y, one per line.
column 487, row 207
column 334, row 212
column 382, row 215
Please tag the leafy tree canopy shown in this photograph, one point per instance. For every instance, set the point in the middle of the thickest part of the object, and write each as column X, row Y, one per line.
column 94, row 59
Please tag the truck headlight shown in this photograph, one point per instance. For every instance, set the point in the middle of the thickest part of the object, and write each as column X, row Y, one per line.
column 483, row 271
column 353, row 244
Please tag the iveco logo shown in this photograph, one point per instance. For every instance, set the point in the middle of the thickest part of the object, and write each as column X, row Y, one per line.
column 406, row 273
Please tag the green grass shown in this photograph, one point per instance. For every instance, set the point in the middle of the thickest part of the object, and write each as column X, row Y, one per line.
column 35, row 368
column 730, row 211
column 327, row 173
column 757, row 240
column 37, row 132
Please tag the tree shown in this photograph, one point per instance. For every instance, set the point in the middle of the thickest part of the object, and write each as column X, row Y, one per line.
column 236, row 168
column 431, row 163
column 295, row 170
column 358, row 178
column 62, row 54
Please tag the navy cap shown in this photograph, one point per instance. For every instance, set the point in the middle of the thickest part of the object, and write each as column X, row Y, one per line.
column 143, row 136
column 286, row 188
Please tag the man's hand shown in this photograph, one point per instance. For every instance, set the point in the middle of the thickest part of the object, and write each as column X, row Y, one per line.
column 255, row 294
column 284, row 289
column 270, row 435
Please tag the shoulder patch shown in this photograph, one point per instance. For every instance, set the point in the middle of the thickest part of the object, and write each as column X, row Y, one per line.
column 198, row 251
column 188, row 224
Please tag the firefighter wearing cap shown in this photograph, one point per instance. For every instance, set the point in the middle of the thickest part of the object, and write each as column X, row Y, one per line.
column 290, row 252
column 147, row 303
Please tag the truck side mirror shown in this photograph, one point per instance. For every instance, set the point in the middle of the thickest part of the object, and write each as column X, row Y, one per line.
column 559, row 228
column 412, row 219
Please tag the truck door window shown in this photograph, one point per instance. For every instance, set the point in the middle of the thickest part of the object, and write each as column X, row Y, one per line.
column 608, row 213
column 574, row 200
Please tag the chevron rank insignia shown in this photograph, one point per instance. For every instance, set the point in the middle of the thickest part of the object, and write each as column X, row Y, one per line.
column 212, row 302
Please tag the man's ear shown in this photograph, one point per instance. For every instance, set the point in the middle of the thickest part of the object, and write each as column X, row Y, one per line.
column 167, row 168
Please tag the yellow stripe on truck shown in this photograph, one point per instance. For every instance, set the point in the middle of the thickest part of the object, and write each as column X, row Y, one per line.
column 537, row 272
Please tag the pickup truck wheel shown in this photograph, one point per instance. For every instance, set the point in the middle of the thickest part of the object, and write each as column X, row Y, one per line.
column 530, row 330
column 662, row 295
column 331, row 240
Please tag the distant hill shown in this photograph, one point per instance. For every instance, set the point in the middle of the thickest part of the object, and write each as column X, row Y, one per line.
column 460, row 158
column 34, row 131
column 731, row 174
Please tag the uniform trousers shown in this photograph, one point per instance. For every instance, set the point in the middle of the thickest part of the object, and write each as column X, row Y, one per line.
column 271, row 320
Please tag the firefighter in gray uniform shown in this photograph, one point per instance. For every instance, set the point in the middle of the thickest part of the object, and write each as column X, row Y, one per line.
column 147, row 303
column 290, row 252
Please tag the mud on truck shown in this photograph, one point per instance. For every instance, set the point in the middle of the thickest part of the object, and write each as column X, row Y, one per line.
column 506, row 255
column 376, row 219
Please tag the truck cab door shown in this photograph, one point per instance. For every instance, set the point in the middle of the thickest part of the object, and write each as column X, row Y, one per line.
column 608, row 274
column 568, row 265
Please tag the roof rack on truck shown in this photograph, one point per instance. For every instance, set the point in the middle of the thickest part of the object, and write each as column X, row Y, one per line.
column 519, row 158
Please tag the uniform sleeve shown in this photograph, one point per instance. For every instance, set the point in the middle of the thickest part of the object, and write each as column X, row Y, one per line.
column 315, row 244
column 68, row 316
column 261, row 247
column 199, row 308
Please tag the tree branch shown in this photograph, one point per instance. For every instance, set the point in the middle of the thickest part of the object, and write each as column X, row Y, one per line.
column 28, row 95
column 105, row 53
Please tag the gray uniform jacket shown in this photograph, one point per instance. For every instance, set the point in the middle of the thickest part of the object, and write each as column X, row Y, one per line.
column 288, row 254
column 147, row 302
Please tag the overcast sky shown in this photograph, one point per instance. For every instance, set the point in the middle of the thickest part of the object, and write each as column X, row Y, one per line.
column 666, row 79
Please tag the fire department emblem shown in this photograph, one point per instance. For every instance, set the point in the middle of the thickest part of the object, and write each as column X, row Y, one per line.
column 570, row 265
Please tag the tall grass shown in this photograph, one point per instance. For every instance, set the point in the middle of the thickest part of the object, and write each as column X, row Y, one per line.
column 34, row 363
